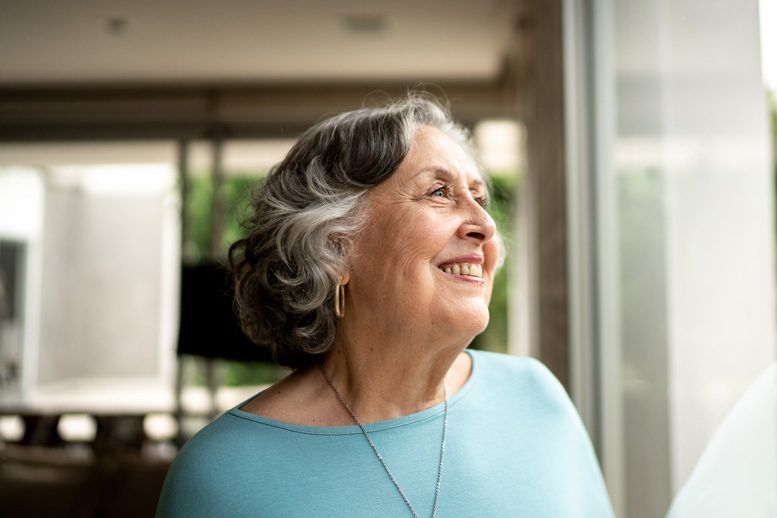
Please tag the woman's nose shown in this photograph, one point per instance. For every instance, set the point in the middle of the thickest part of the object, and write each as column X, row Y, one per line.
column 479, row 225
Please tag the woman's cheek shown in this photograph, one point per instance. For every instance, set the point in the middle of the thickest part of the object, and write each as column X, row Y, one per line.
column 491, row 253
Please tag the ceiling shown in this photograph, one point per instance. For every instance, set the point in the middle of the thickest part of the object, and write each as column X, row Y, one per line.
column 97, row 42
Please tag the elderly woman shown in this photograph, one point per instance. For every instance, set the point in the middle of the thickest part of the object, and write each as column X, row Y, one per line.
column 368, row 271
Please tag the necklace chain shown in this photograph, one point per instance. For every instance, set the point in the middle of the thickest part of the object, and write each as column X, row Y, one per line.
column 380, row 457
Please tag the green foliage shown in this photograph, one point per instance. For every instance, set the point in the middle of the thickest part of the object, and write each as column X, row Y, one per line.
column 504, row 191
column 198, row 211
column 237, row 193
column 235, row 373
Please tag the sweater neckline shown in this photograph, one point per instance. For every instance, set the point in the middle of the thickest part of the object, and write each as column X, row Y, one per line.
column 422, row 415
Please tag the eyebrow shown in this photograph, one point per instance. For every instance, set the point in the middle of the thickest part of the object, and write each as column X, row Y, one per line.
column 442, row 171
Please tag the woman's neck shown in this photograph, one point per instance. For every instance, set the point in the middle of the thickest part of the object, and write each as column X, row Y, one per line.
column 385, row 377
column 380, row 379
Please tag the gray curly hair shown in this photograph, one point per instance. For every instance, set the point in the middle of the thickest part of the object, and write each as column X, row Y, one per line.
column 305, row 216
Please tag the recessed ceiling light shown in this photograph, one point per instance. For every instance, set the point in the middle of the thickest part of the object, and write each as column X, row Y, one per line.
column 365, row 23
column 116, row 25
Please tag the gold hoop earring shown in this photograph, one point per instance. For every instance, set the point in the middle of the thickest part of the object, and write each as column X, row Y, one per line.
column 340, row 300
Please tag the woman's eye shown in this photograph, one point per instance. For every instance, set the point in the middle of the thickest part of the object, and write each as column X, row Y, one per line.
column 439, row 193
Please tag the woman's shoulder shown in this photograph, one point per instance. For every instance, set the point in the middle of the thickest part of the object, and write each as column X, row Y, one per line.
column 522, row 376
column 526, row 367
column 210, row 441
column 216, row 443
column 211, row 466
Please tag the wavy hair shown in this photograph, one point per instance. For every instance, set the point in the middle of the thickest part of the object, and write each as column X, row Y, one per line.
column 305, row 216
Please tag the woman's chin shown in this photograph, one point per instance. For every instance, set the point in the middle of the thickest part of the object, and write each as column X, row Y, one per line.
column 469, row 323
column 482, row 325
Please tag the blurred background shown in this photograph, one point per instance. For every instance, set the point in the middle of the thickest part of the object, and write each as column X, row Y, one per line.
column 631, row 147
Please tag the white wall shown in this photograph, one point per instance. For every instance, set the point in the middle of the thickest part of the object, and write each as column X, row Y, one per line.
column 22, row 196
column 101, row 272
column 107, row 263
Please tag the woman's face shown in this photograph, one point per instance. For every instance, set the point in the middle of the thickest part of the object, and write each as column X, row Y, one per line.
column 427, row 255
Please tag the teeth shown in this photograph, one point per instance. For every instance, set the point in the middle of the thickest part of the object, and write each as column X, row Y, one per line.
column 473, row 270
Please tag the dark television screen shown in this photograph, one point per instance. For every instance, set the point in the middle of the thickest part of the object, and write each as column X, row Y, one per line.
column 209, row 325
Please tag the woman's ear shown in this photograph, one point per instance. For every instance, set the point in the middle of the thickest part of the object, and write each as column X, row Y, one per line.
column 340, row 244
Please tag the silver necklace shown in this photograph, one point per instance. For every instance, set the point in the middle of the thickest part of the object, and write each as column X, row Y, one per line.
column 380, row 457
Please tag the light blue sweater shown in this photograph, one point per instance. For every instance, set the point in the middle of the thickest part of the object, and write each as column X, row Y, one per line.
column 515, row 447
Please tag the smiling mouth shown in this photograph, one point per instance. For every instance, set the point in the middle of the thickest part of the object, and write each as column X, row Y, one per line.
column 466, row 269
